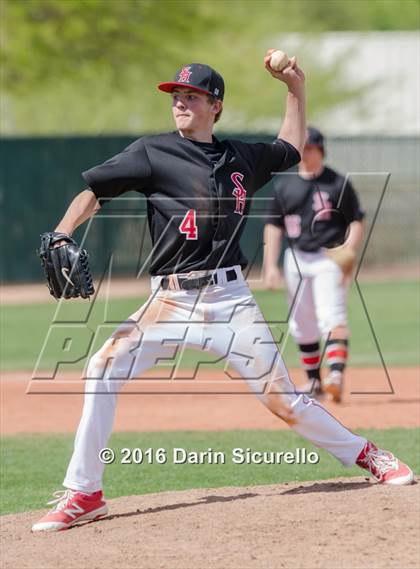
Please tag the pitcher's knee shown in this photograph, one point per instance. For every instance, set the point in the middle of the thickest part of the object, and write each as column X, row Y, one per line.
column 96, row 367
column 103, row 364
column 281, row 406
column 101, row 376
column 291, row 408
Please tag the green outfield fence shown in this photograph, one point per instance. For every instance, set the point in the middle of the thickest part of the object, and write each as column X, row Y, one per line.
column 39, row 177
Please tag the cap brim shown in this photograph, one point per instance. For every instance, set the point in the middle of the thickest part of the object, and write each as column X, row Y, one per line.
column 169, row 87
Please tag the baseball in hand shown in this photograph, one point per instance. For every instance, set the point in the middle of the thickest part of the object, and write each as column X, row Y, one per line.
column 278, row 60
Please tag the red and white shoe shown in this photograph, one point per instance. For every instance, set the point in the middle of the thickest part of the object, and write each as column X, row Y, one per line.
column 384, row 466
column 72, row 507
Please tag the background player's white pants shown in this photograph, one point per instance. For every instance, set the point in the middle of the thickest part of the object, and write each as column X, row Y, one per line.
column 223, row 319
column 317, row 296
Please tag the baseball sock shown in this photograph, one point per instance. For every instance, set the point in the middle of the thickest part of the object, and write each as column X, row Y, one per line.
column 311, row 358
column 336, row 354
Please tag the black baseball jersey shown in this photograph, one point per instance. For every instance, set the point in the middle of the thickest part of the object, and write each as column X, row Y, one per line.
column 314, row 212
column 198, row 195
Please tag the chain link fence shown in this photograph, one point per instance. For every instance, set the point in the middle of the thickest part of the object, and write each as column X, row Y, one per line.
column 40, row 176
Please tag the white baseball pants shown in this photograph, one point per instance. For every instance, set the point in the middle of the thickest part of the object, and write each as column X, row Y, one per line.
column 316, row 294
column 223, row 319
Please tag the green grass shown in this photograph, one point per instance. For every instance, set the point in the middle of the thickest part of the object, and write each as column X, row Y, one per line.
column 33, row 466
column 393, row 308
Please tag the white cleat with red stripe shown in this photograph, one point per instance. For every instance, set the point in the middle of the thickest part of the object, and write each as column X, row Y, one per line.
column 72, row 507
column 384, row 466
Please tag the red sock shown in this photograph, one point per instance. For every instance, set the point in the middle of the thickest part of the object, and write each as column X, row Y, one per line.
column 336, row 354
column 310, row 358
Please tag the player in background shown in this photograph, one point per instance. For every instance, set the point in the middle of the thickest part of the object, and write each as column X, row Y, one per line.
column 314, row 209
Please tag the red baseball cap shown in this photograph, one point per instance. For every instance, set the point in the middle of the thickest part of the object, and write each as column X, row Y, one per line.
column 198, row 77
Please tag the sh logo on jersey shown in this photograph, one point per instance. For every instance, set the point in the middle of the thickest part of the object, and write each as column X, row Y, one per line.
column 239, row 192
column 322, row 205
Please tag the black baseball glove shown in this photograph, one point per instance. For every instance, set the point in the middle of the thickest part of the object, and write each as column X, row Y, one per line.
column 66, row 267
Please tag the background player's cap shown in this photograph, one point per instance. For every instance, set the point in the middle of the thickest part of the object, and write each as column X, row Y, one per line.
column 198, row 77
column 315, row 138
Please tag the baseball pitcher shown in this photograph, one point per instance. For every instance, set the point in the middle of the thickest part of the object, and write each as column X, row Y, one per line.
column 198, row 191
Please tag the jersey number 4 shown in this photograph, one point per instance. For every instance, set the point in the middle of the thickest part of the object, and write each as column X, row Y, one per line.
column 188, row 225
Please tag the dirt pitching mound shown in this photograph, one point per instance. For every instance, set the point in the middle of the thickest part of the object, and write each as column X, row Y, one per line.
column 328, row 524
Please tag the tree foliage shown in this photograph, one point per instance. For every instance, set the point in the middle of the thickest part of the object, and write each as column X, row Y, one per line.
column 93, row 65
column 48, row 40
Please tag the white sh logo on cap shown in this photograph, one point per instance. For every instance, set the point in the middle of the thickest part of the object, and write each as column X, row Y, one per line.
column 184, row 75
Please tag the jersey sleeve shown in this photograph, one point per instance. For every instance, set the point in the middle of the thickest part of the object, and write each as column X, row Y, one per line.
column 271, row 158
column 274, row 214
column 129, row 170
column 350, row 206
